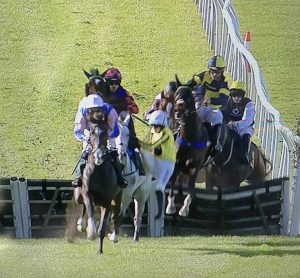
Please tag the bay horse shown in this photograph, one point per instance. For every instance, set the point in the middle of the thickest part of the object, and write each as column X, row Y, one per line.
column 192, row 146
column 226, row 171
column 138, row 187
column 100, row 184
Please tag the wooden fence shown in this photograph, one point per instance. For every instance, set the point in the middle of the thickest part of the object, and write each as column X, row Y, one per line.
column 34, row 208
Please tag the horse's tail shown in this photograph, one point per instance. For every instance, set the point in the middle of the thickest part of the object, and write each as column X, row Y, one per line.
column 267, row 162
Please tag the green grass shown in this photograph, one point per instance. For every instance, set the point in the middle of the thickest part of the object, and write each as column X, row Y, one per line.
column 275, row 40
column 44, row 46
column 163, row 257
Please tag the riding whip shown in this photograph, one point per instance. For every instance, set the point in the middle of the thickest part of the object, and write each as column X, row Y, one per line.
column 86, row 147
column 144, row 122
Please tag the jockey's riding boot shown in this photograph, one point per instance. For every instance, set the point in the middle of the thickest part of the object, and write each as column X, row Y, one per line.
column 217, row 131
column 138, row 163
column 246, row 143
column 118, row 168
column 77, row 182
column 159, row 196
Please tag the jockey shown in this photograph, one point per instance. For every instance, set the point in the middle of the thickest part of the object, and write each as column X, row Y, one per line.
column 82, row 126
column 239, row 114
column 121, row 100
column 161, row 141
column 164, row 101
column 210, row 90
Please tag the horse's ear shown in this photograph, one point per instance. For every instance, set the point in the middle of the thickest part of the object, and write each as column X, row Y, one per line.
column 177, row 81
column 87, row 74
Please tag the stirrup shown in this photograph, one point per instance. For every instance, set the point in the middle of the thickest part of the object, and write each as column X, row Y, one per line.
column 142, row 172
column 123, row 183
column 77, row 182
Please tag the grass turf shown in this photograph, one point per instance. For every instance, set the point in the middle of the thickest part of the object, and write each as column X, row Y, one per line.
column 162, row 257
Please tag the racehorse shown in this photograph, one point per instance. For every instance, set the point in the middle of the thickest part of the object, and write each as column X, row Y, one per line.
column 138, row 186
column 226, row 171
column 192, row 146
column 100, row 184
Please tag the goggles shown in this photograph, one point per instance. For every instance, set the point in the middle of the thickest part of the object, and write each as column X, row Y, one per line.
column 94, row 109
column 114, row 82
column 217, row 72
column 236, row 93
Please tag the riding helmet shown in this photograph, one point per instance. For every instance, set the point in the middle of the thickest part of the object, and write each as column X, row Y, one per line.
column 113, row 74
column 216, row 63
column 158, row 117
column 93, row 101
column 237, row 86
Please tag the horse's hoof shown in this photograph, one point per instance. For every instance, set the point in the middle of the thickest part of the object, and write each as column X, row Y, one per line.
column 113, row 237
column 136, row 237
column 70, row 240
column 81, row 225
column 184, row 212
column 170, row 209
column 90, row 232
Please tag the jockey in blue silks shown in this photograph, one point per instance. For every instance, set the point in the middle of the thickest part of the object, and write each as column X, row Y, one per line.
column 82, row 128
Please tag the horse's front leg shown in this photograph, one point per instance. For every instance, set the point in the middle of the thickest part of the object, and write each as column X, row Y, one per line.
column 185, row 209
column 171, row 208
column 91, row 228
column 102, row 227
column 116, row 217
column 139, row 207
column 81, row 222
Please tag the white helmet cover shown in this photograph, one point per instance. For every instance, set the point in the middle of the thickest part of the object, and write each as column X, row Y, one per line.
column 93, row 101
column 158, row 117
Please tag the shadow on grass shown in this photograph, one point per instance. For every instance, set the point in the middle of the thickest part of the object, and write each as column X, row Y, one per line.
column 245, row 252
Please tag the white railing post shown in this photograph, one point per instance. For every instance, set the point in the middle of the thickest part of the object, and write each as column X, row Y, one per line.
column 24, row 203
column 295, row 213
column 15, row 195
column 279, row 142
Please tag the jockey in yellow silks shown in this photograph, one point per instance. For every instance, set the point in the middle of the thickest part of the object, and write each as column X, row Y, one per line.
column 160, row 141
column 210, row 90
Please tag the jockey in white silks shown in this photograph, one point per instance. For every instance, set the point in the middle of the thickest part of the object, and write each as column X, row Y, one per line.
column 164, row 101
column 239, row 114
column 82, row 130
column 160, row 143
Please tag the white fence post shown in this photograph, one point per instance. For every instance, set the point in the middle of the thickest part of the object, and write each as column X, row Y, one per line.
column 24, row 203
column 18, row 223
column 19, row 193
column 295, row 213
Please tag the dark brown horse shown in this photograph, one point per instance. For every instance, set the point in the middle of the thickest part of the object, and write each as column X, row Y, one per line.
column 226, row 171
column 100, row 184
column 192, row 145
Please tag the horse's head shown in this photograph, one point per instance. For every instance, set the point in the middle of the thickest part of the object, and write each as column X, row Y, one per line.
column 97, row 82
column 184, row 101
column 98, row 142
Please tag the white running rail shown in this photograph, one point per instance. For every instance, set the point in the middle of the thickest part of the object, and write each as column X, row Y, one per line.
column 280, row 144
